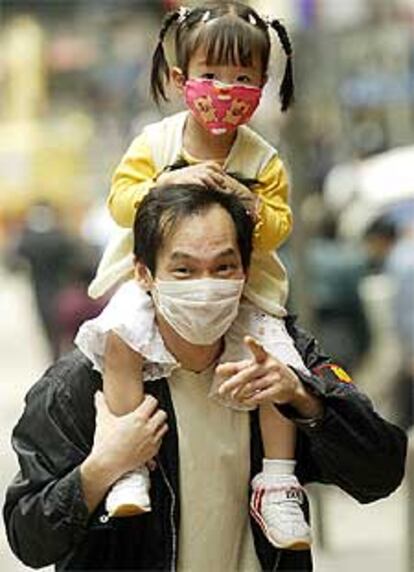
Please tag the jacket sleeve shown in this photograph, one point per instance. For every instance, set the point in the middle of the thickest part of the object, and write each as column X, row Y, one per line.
column 45, row 513
column 274, row 222
column 351, row 445
column 133, row 179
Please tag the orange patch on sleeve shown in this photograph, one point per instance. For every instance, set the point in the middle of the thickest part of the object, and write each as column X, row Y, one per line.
column 337, row 370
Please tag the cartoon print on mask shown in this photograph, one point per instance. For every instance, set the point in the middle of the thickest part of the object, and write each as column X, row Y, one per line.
column 204, row 105
column 238, row 110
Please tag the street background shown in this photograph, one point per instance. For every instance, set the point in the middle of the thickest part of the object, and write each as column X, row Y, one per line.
column 74, row 91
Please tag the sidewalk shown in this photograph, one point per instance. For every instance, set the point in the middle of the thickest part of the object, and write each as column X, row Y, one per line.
column 23, row 357
column 363, row 537
column 358, row 538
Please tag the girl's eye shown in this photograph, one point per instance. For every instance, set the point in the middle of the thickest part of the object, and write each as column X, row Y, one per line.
column 243, row 79
column 208, row 75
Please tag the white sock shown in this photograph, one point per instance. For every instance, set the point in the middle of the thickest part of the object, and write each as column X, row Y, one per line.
column 278, row 467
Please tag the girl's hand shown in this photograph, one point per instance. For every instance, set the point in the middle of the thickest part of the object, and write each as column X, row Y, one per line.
column 208, row 173
column 211, row 174
column 249, row 199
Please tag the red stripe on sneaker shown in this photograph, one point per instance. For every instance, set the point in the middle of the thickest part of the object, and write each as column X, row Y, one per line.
column 259, row 502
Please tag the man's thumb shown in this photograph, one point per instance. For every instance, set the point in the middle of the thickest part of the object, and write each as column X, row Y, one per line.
column 259, row 353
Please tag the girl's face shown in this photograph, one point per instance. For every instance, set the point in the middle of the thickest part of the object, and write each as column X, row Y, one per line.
column 220, row 97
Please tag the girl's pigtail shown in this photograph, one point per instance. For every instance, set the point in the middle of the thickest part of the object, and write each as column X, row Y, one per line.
column 287, row 88
column 160, row 71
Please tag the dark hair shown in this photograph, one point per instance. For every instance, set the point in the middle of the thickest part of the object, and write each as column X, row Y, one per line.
column 164, row 207
column 382, row 227
column 235, row 32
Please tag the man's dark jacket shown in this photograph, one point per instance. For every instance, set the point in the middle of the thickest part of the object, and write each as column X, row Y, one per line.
column 47, row 522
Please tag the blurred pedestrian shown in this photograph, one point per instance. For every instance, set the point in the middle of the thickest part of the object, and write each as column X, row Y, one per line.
column 72, row 305
column 400, row 268
column 48, row 249
column 335, row 270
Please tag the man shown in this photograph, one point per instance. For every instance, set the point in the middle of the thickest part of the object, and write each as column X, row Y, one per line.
column 71, row 449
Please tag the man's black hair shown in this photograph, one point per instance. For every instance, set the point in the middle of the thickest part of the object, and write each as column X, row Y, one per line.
column 384, row 227
column 164, row 207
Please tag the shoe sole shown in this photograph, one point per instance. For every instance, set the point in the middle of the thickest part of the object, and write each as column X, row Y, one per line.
column 128, row 510
column 296, row 544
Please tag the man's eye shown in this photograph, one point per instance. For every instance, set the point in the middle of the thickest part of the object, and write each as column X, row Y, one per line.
column 181, row 271
column 223, row 268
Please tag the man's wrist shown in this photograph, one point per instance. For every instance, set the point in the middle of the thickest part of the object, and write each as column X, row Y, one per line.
column 307, row 405
column 96, row 478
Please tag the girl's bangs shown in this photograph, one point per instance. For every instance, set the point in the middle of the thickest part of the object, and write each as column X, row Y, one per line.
column 232, row 41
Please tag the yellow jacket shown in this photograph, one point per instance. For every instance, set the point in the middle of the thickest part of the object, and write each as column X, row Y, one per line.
column 160, row 145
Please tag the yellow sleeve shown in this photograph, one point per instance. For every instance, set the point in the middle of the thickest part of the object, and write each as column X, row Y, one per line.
column 132, row 180
column 274, row 215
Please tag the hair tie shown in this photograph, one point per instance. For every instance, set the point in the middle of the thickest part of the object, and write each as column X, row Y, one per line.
column 206, row 16
column 183, row 13
column 252, row 19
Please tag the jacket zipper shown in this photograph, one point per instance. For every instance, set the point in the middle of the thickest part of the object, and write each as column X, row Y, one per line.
column 172, row 521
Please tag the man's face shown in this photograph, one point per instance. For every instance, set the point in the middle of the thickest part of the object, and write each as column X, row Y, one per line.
column 201, row 246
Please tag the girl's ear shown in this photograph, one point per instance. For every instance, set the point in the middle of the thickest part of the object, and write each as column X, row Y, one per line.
column 143, row 275
column 177, row 78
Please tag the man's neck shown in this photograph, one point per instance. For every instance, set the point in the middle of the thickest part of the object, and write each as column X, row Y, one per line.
column 190, row 356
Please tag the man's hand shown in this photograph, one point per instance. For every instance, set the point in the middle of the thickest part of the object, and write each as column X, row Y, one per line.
column 121, row 443
column 127, row 441
column 265, row 379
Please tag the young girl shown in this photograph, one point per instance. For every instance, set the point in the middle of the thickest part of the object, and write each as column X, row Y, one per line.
column 222, row 54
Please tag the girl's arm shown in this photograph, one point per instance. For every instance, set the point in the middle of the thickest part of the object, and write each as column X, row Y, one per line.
column 133, row 179
column 273, row 212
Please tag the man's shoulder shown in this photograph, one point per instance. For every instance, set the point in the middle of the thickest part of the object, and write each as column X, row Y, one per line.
column 72, row 377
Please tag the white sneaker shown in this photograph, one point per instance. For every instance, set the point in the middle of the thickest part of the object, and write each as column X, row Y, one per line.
column 276, row 505
column 130, row 494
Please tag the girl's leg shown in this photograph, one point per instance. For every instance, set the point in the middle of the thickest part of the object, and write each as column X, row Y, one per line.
column 122, row 376
column 278, row 434
column 123, row 390
column 277, row 498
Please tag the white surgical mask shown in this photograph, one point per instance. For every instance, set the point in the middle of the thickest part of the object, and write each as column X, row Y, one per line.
column 200, row 310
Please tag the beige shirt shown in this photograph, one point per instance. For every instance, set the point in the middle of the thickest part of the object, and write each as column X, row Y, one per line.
column 214, row 454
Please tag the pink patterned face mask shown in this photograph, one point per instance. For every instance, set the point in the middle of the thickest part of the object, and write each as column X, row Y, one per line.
column 220, row 107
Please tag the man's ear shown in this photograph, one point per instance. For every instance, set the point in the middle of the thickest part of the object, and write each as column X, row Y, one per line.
column 177, row 78
column 143, row 275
